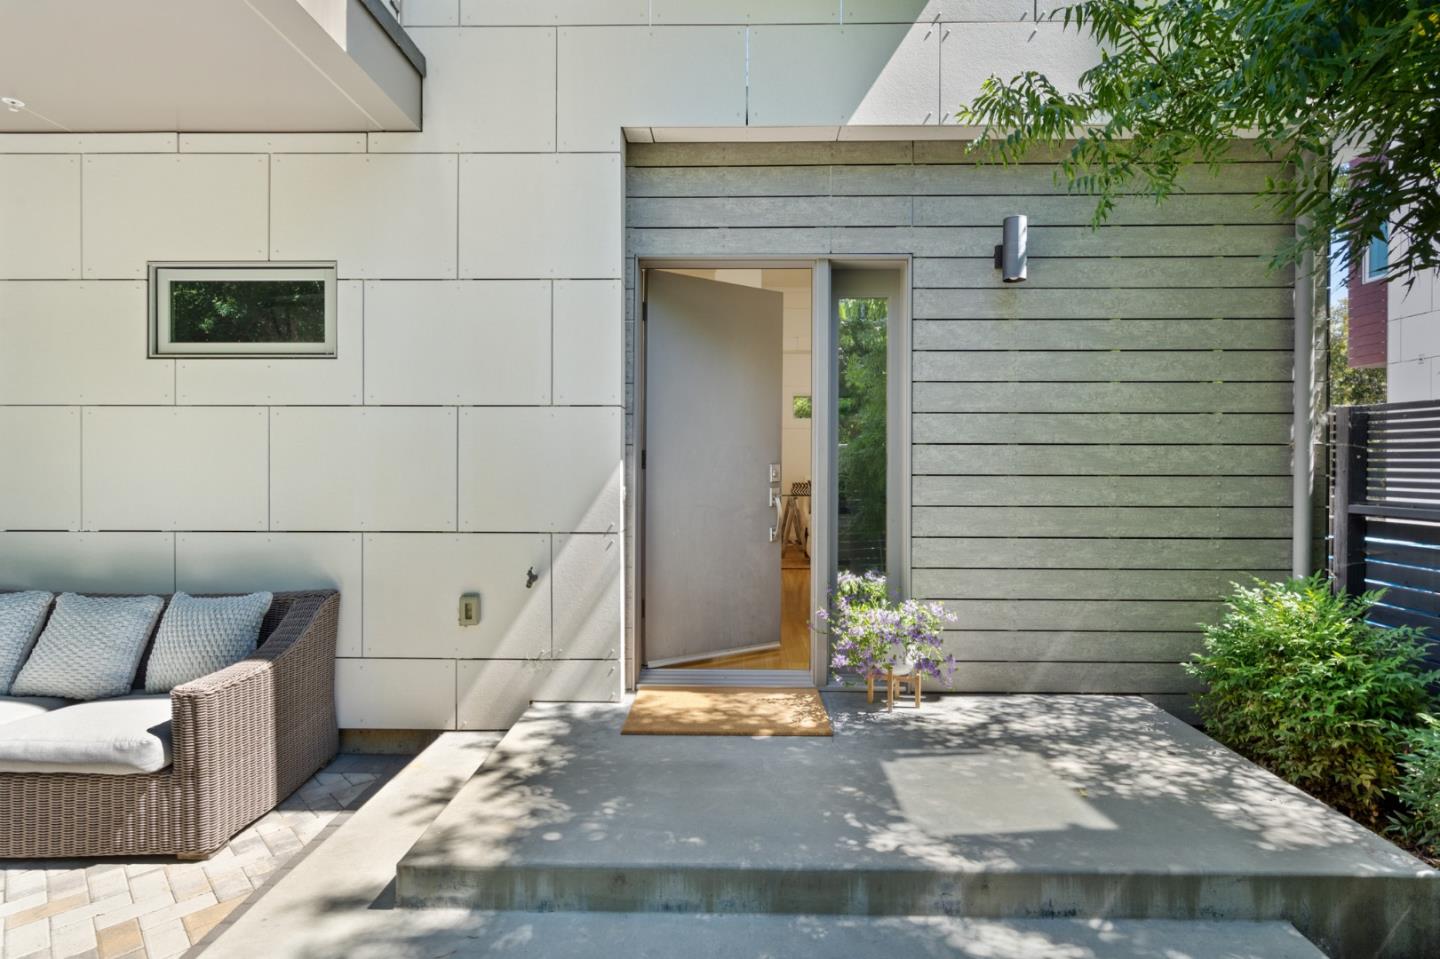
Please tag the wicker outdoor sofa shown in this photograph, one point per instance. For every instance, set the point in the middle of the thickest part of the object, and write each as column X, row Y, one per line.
column 242, row 739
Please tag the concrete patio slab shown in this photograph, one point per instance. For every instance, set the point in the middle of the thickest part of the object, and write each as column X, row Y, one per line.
column 1004, row 807
column 346, row 885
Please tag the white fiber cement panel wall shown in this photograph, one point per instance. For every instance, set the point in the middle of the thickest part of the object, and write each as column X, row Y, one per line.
column 472, row 426
column 1413, row 335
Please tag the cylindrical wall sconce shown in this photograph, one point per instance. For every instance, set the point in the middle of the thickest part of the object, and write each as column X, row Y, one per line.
column 1012, row 255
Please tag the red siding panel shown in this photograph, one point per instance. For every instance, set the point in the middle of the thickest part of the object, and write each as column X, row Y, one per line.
column 1368, row 319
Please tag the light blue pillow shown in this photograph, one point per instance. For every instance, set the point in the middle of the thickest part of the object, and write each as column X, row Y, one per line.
column 199, row 636
column 21, row 616
column 91, row 647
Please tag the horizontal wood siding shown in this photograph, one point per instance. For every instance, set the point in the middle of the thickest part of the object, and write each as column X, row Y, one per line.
column 1099, row 452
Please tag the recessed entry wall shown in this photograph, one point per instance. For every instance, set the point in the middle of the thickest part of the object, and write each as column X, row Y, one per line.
column 1099, row 451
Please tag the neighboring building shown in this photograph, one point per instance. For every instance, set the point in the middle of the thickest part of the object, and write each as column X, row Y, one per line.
column 1412, row 338
column 1079, row 465
column 1395, row 325
column 1369, row 308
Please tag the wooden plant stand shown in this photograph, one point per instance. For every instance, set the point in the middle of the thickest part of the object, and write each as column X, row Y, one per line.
column 914, row 680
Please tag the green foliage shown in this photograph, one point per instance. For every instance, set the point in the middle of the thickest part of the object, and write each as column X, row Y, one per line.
column 1180, row 80
column 861, row 340
column 1350, row 387
column 227, row 311
column 1300, row 683
column 1418, row 821
column 802, row 407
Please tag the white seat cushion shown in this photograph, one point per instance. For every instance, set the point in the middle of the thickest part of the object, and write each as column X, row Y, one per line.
column 129, row 734
column 23, row 707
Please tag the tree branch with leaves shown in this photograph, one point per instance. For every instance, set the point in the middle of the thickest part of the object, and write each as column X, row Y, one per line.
column 1310, row 82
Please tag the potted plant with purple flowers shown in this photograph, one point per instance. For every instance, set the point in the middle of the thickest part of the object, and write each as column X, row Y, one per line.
column 873, row 638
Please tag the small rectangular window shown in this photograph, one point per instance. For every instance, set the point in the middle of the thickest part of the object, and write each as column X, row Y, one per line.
column 242, row 309
column 1377, row 258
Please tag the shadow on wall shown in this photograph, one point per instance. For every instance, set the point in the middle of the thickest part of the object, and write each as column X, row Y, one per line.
column 582, row 661
column 913, row 69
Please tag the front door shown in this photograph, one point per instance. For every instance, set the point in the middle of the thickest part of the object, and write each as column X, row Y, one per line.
column 712, row 438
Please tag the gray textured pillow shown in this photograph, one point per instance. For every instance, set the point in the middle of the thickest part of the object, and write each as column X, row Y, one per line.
column 199, row 636
column 90, row 648
column 21, row 616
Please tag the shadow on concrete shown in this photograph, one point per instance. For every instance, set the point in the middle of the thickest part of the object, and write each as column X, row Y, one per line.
column 1013, row 807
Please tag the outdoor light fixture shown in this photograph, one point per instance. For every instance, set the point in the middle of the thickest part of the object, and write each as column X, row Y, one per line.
column 15, row 105
column 1012, row 254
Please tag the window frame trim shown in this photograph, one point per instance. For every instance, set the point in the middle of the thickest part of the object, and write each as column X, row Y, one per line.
column 1370, row 274
column 160, row 273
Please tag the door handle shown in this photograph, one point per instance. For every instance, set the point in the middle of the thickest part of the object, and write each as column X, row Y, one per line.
column 775, row 502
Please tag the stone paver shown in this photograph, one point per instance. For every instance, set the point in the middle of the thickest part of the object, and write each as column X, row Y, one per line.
column 158, row 908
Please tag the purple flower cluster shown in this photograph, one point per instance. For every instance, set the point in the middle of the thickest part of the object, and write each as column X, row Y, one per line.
column 869, row 634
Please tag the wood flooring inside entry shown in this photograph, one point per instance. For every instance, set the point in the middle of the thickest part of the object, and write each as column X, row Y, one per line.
column 794, row 651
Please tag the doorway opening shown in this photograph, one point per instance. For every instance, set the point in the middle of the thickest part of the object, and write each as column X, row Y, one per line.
column 728, row 462
column 773, row 448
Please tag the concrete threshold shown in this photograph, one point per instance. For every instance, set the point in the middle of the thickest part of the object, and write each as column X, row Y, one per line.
column 984, row 807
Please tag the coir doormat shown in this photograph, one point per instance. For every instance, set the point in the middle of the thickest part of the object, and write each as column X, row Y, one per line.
column 727, row 711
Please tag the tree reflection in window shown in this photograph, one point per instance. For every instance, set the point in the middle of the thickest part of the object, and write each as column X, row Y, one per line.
column 862, row 427
column 247, row 311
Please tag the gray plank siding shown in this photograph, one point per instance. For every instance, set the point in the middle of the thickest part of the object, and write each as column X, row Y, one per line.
column 954, row 179
column 766, row 211
column 1128, row 428
column 961, row 490
column 1087, row 584
column 1103, row 366
column 976, row 645
column 1114, row 553
column 1184, row 208
column 1109, row 273
column 1074, row 677
column 1049, row 615
column 1024, row 302
column 1085, row 334
column 1190, row 522
column 1052, row 397
column 997, row 459
column 1097, row 453
column 975, row 241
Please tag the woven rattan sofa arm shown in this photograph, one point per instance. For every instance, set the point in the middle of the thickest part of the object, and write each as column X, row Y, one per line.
column 246, row 736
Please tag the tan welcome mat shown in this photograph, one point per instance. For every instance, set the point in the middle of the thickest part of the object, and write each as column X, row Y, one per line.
column 727, row 711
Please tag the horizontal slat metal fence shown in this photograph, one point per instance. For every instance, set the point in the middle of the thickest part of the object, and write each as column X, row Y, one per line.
column 1385, row 511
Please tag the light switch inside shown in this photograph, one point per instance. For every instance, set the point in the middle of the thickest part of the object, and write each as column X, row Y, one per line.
column 470, row 609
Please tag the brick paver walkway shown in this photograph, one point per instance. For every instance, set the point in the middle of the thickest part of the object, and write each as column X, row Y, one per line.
column 157, row 908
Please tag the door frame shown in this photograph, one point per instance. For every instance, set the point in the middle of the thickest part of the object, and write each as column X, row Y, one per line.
column 823, row 386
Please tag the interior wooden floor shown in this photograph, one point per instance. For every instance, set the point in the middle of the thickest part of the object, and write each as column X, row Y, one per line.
column 794, row 651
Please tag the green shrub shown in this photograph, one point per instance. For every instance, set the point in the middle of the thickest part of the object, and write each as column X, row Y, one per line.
column 1418, row 821
column 1300, row 683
